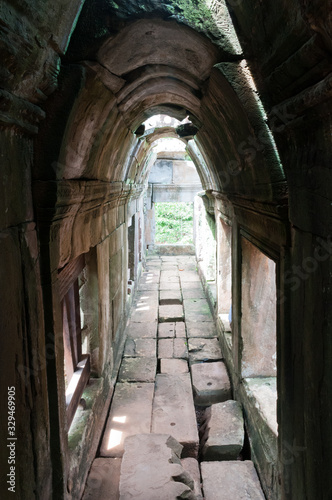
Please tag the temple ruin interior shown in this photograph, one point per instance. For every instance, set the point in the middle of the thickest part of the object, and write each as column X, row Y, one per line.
column 137, row 370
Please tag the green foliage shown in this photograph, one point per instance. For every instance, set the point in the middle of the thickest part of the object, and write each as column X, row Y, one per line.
column 195, row 12
column 174, row 223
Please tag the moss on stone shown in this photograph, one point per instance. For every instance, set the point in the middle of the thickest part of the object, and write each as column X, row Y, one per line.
column 195, row 13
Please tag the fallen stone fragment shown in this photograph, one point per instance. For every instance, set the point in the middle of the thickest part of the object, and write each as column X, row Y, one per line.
column 131, row 413
column 171, row 313
column 222, row 434
column 233, row 480
column 173, row 411
column 103, row 479
column 210, row 383
column 140, row 347
column 203, row 350
column 138, row 370
column 173, row 366
column 151, row 469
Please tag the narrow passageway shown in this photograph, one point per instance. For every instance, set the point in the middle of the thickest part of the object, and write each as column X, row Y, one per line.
column 173, row 430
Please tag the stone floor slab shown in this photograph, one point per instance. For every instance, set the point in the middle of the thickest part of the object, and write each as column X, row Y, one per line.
column 170, row 313
column 191, row 285
column 140, row 348
column 141, row 330
column 193, row 293
column 231, row 480
column 170, row 297
column 138, row 370
column 147, row 287
column 130, row 414
column 173, row 411
column 166, row 330
column 201, row 329
column 180, row 329
column 204, row 350
column 210, row 383
column 151, row 469
column 169, row 286
column 222, row 433
column 172, row 348
column 103, row 480
column 173, row 366
column 197, row 310
column 189, row 276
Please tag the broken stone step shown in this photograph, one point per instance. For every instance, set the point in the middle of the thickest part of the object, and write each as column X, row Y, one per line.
column 231, row 480
column 170, row 297
column 140, row 347
column 210, row 382
column 172, row 348
column 131, row 413
column 173, row 366
column 222, row 434
column 138, row 370
column 204, row 350
column 103, row 480
column 201, row 329
column 141, row 330
column 151, row 469
column 173, row 411
column 171, row 313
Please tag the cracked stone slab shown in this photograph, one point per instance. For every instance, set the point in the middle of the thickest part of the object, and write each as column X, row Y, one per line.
column 170, row 297
column 197, row 310
column 204, row 350
column 151, row 469
column 231, row 480
column 211, row 383
column 140, row 347
column 141, row 330
column 173, row 411
column 173, row 366
column 171, row 313
column 201, row 329
column 191, row 465
column 131, row 413
column 223, row 431
column 103, row 479
column 172, row 348
column 138, row 370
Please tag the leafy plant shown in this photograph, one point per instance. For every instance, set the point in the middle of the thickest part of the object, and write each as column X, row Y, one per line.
column 174, row 223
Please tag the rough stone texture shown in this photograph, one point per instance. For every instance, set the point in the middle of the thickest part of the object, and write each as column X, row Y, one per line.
column 171, row 313
column 169, row 286
column 227, row 480
column 173, row 366
column 191, row 465
column 205, row 329
column 138, row 370
column 203, row 350
column 222, row 434
column 140, row 348
column 166, row 330
column 173, row 411
column 103, row 480
column 141, row 330
column 180, row 329
column 197, row 310
column 210, row 383
column 158, row 473
column 130, row 414
column 169, row 297
column 172, row 348
column 196, row 293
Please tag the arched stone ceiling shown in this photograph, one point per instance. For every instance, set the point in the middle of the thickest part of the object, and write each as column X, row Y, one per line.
column 155, row 65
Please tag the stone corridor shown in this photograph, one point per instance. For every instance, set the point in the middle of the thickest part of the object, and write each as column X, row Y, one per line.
column 173, row 430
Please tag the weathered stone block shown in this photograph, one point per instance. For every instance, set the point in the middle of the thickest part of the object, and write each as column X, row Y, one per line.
column 151, row 469
column 180, row 329
column 172, row 348
column 197, row 310
column 210, row 383
column 201, row 329
column 166, row 330
column 173, row 411
column 191, row 465
column 171, row 313
column 222, row 434
column 203, row 350
column 170, row 297
column 138, row 370
column 141, row 330
column 140, row 347
column 231, row 480
column 173, row 366
column 130, row 414
column 103, row 479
